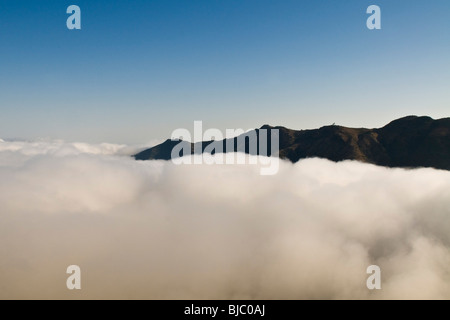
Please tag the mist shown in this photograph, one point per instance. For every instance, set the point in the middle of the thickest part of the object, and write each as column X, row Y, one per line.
column 155, row 230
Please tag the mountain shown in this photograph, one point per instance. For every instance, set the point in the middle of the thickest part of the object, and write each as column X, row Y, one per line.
column 407, row 142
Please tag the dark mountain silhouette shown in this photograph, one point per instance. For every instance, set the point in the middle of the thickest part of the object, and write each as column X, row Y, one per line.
column 407, row 142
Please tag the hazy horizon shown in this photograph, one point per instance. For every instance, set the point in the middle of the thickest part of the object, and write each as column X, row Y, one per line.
column 154, row 141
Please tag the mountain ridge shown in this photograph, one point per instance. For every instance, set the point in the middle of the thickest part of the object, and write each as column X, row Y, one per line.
column 410, row 142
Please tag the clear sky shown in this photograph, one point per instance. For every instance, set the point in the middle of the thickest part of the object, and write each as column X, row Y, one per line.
column 138, row 69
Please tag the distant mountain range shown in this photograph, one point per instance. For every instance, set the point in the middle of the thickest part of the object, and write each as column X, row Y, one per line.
column 407, row 142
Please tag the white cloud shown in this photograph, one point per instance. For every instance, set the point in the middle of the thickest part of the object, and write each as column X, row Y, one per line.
column 156, row 230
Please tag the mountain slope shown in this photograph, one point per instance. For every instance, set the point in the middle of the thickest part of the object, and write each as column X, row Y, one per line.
column 407, row 142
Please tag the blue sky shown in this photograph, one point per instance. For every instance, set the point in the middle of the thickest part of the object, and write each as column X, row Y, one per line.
column 139, row 69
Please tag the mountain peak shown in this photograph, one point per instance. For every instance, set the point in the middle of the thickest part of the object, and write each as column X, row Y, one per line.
column 410, row 141
column 409, row 119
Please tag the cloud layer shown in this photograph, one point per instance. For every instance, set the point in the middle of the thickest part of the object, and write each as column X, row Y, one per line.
column 155, row 230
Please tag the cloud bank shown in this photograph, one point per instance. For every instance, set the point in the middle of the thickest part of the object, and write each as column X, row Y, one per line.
column 153, row 230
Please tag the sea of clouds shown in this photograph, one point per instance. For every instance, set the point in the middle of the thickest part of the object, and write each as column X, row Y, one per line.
column 154, row 230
